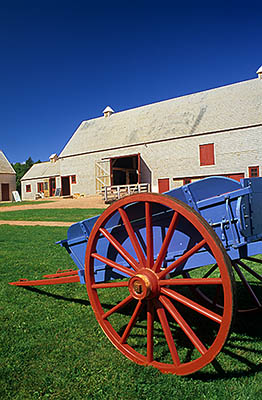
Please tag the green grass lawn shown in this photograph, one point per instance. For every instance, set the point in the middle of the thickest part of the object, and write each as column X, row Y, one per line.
column 53, row 348
column 58, row 214
column 24, row 203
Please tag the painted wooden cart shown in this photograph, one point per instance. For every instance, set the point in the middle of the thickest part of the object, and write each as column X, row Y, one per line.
column 161, row 271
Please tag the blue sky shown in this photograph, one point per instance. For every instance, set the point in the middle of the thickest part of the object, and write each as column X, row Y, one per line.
column 63, row 62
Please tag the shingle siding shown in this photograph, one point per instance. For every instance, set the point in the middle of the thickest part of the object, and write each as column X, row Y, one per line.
column 168, row 135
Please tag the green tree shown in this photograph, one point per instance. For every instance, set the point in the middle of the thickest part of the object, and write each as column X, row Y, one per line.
column 21, row 169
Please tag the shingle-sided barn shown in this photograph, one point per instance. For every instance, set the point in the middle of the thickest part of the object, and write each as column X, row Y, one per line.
column 7, row 178
column 159, row 146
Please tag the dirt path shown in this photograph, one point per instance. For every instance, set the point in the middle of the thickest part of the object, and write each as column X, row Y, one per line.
column 34, row 223
column 86, row 202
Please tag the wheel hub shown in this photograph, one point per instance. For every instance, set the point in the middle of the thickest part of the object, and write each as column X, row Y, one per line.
column 144, row 285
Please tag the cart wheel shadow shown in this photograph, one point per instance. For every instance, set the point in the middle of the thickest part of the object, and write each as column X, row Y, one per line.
column 59, row 297
column 240, row 347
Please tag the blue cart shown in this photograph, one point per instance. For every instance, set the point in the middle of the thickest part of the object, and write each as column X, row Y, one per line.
column 165, row 273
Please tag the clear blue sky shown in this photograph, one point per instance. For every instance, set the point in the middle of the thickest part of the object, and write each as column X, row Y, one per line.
column 63, row 62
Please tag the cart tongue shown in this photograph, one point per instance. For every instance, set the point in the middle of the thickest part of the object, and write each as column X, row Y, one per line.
column 60, row 277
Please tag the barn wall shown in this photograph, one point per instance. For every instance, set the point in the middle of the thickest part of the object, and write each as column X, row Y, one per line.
column 234, row 152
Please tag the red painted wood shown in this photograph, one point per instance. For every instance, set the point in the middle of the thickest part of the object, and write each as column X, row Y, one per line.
column 51, row 281
column 183, row 324
column 149, row 235
column 58, row 274
column 163, row 185
column 148, row 291
column 52, row 186
column 253, row 172
column 156, row 267
column 237, row 177
column 133, row 238
column 206, row 152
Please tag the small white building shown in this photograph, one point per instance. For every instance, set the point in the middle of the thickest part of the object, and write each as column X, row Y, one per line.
column 165, row 144
column 7, row 178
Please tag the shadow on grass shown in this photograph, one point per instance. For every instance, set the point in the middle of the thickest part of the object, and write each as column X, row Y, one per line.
column 249, row 326
column 59, row 297
column 221, row 373
column 240, row 347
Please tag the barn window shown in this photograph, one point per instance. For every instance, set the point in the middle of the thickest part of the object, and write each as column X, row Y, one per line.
column 207, row 155
column 73, row 178
column 253, row 172
column 28, row 188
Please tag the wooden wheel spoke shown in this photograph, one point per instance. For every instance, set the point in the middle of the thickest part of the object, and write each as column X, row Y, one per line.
column 190, row 281
column 248, row 269
column 131, row 261
column 192, row 304
column 150, row 331
column 167, row 332
column 246, row 284
column 166, row 242
column 118, row 307
column 132, row 236
column 257, row 260
column 182, row 259
column 141, row 241
column 113, row 264
column 210, row 271
column 149, row 235
column 130, row 248
column 107, row 285
column 216, row 297
column 132, row 321
column 183, row 324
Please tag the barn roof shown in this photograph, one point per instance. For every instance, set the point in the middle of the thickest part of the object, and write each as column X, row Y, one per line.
column 5, row 166
column 223, row 108
column 43, row 170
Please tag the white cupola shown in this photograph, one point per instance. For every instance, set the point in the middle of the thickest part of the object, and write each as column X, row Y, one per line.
column 108, row 111
column 259, row 72
column 53, row 158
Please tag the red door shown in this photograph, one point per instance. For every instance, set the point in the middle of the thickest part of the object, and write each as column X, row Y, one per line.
column 237, row 177
column 163, row 185
column 51, row 186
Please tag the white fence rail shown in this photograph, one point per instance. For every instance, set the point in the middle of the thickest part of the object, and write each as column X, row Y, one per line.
column 112, row 193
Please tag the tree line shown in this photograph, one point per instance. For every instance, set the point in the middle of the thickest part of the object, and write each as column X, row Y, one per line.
column 21, row 169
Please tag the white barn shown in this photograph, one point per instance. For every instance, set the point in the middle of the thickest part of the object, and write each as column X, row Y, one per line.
column 7, row 178
column 165, row 144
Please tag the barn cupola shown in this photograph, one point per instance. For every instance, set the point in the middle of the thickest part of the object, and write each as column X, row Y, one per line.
column 259, row 72
column 53, row 158
column 108, row 111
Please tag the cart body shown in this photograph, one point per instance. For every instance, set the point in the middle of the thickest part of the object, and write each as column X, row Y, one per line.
column 231, row 208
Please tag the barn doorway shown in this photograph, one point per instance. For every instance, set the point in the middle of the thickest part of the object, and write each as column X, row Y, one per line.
column 5, row 192
column 125, row 170
column 65, row 186
column 52, row 187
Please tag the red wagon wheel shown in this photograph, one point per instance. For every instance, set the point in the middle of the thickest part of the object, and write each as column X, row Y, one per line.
column 248, row 285
column 150, row 315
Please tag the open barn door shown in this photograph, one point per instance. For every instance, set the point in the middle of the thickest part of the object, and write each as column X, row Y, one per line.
column 102, row 174
column 125, row 170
